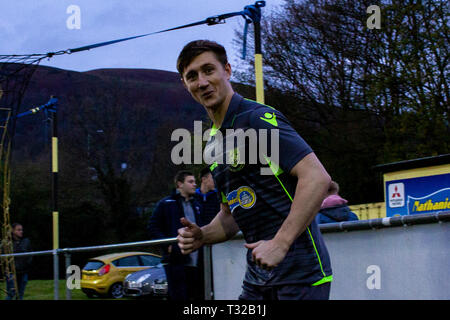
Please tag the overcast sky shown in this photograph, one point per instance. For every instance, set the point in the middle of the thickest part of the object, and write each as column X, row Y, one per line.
column 31, row 26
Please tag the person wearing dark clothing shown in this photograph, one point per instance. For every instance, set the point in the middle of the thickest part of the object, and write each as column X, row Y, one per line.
column 334, row 208
column 184, row 272
column 272, row 202
column 22, row 264
column 336, row 214
column 207, row 196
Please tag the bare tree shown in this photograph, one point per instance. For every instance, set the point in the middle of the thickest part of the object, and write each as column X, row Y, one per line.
column 362, row 96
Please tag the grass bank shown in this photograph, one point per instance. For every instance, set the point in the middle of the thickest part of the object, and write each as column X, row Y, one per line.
column 43, row 290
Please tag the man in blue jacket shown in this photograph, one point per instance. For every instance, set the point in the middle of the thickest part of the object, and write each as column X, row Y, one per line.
column 184, row 272
column 207, row 196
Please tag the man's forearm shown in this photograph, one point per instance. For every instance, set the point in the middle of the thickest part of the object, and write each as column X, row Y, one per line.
column 220, row 229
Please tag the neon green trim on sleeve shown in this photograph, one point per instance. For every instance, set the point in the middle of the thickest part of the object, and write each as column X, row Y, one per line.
column 224, row 198
column 275, row 169
column 317, row 253
column 260, row 103
column 213, row 166
column 323, row 280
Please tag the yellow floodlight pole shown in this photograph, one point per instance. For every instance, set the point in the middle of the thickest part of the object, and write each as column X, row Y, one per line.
column 55, row 214
column 259, row 79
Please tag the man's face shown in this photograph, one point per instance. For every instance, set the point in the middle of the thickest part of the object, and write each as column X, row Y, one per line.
column 207, row 80
column 208, row 182
column 188, row 186
column 18, row 231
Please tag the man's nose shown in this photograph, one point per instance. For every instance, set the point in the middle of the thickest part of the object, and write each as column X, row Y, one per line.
column 202, row 81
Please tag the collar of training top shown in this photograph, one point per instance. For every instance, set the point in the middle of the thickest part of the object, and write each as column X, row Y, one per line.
column 233, row 108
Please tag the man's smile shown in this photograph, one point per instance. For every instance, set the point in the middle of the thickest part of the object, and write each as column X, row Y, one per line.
column 207, row 94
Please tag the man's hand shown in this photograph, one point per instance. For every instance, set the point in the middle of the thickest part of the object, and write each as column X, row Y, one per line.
column 189, row 237
column 267, row 254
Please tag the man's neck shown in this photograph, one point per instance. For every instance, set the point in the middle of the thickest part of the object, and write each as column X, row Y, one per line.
column 185, row 196
column 218, row 115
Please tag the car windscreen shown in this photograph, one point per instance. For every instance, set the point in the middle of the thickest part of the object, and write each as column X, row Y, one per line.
column 93, row 265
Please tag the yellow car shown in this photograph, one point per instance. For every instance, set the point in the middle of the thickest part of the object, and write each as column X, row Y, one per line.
column 104, row 275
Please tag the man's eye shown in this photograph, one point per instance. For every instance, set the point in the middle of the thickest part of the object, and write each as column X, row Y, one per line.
column 209, row 70
column 190, row 77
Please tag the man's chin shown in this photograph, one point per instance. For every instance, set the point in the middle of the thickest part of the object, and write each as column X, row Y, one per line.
column 211, row 105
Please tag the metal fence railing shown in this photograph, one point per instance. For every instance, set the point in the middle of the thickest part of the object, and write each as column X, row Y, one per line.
column 67, row 252
column 387, row 222
column 413, row 219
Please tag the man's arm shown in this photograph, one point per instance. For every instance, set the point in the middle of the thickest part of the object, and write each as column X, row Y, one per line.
column 155, row 226
column 312, row 187
column 220, row 229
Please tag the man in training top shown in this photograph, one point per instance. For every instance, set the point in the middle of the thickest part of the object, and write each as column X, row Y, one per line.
column 287, row 257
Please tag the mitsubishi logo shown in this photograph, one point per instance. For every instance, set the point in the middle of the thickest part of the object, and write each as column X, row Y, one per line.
column 396, row 193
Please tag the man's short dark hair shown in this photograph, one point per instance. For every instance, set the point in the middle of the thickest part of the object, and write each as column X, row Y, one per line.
column 15, row 224
column 196, row 48
column 204, row 172
column 181, row 175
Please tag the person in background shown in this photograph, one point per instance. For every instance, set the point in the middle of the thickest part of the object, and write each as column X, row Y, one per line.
column 184, row 272
column 22, row 264
column 207, row 196
column 334, row 208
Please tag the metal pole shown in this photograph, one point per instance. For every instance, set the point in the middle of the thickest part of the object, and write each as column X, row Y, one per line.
column 68, row 263
column 55, row 275
column 207, row 272
column 258, row 57
column 55, row 200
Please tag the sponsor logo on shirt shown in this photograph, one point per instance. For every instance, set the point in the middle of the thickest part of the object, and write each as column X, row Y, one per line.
column 235, row 163
column 270, row 118
column 244, row 197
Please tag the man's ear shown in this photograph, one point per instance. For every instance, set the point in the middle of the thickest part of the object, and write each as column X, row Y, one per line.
column 184, row 84
column 228, row 70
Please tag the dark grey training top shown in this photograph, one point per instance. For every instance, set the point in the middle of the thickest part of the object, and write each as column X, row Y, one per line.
column 260, row 203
